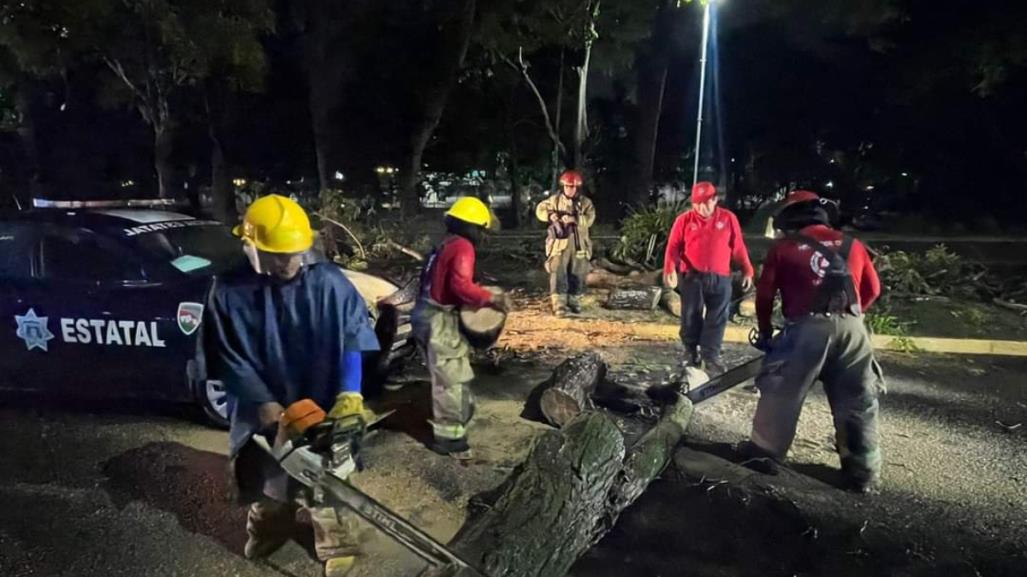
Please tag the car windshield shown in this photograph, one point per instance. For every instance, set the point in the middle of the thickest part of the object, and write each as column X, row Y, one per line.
column 195, row 249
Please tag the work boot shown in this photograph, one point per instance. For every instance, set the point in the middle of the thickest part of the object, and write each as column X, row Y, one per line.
column 758, row 459
column 714, row 367
column 259, row 548
column 863, row 486
column 574, row 304
column 858, row 479
column 691, row 358
column 456, row 448
column 559, row 303
column 339, row 566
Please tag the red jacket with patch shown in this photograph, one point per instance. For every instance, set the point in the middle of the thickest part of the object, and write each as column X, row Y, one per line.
column 706, row 244
column 452, row 275
column 796, row 270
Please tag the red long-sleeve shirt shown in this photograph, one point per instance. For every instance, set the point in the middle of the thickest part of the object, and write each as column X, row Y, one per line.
column 706, row 244
column 792, row 268
column 452, row 276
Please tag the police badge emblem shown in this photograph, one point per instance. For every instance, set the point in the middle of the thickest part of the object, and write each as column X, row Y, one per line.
column 189, row 316
column 33, row 330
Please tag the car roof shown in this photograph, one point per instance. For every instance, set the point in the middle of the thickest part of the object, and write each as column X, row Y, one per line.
column 98, row 220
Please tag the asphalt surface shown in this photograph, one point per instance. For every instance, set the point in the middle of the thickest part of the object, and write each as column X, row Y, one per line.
column 141, row 490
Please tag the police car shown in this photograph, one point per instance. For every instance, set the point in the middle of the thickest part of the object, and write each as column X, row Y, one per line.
column 106, row 299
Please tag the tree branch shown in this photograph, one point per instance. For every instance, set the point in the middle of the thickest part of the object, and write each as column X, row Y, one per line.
column 522, row 67
column 119, row 71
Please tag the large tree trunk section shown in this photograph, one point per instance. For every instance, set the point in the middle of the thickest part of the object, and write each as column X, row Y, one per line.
column 326, row 75
column 644, row 299
column 516, row 202
column 567, row 495
column 163, row 146
column 568, row 393
column 454, row 32
column 221, row 191
column 581, row 118
column 652, row 64
column 29, row 171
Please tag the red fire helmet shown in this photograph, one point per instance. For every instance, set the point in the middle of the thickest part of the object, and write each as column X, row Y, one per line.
column 571, row 178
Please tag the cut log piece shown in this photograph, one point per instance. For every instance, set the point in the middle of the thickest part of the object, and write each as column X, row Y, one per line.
column 644, row 299
column 567, row 394
column 482, row 326
column 670, row 300
column 567, row 495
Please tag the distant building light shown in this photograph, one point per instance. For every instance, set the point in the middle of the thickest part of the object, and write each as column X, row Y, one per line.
column 830, row 184
column 339, row 175
column 380, row 170
column 732, row 159
column 871, row 187
column 239, row 181
column 127, row 183
column 833, row 161
column 905, row 174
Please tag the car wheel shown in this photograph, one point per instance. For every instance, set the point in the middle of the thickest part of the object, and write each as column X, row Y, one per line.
column 213, row 400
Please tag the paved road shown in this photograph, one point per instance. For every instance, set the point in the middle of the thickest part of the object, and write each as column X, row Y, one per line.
column 88, row 492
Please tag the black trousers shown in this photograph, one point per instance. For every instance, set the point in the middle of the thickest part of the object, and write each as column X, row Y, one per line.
column 701, row 292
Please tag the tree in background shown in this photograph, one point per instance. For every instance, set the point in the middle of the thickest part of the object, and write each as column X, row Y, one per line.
column 154, row 51
column 446, row 28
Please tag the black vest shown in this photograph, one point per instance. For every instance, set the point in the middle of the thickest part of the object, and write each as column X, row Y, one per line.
column 837, row 291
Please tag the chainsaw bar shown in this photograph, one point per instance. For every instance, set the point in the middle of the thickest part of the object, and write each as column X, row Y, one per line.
column 725, row 381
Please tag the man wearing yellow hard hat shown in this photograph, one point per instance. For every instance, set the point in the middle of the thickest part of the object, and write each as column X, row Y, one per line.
column 284, row 329
column 447, row 284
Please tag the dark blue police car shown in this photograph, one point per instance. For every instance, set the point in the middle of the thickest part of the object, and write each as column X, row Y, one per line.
column 106, row 299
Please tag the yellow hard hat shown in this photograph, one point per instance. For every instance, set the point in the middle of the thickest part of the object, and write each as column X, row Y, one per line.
column 472, row 210
column 275, row 223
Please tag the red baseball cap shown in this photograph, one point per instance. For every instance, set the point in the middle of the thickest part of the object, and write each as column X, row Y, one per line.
column 703, row 191
column 797, row 196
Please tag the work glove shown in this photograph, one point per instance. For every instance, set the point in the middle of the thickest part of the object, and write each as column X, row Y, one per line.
column 350, row 406
column 347, row 405
column 502, row 302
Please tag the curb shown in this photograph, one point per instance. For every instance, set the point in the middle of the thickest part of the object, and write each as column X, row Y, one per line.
column 737, row 334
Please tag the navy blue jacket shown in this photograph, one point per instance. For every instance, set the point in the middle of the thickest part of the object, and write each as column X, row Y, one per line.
column 280, row 342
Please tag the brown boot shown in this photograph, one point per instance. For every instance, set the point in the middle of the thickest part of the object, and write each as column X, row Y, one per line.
column 269, row 525
column 559, row 303
column 574, row 304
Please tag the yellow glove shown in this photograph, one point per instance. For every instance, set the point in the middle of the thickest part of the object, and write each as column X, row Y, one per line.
column 347, row 405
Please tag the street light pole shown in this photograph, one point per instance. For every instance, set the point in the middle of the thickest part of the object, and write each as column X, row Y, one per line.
column 702, row 86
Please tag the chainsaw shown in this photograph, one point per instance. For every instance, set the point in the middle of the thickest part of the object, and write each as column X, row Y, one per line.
column 718, row 384
column 323, row 453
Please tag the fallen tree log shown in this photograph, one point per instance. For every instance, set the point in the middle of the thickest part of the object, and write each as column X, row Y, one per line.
column 567, row 495
column 645, row 298
column 1009, row 305
column 568, row 392
column 611, row 266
